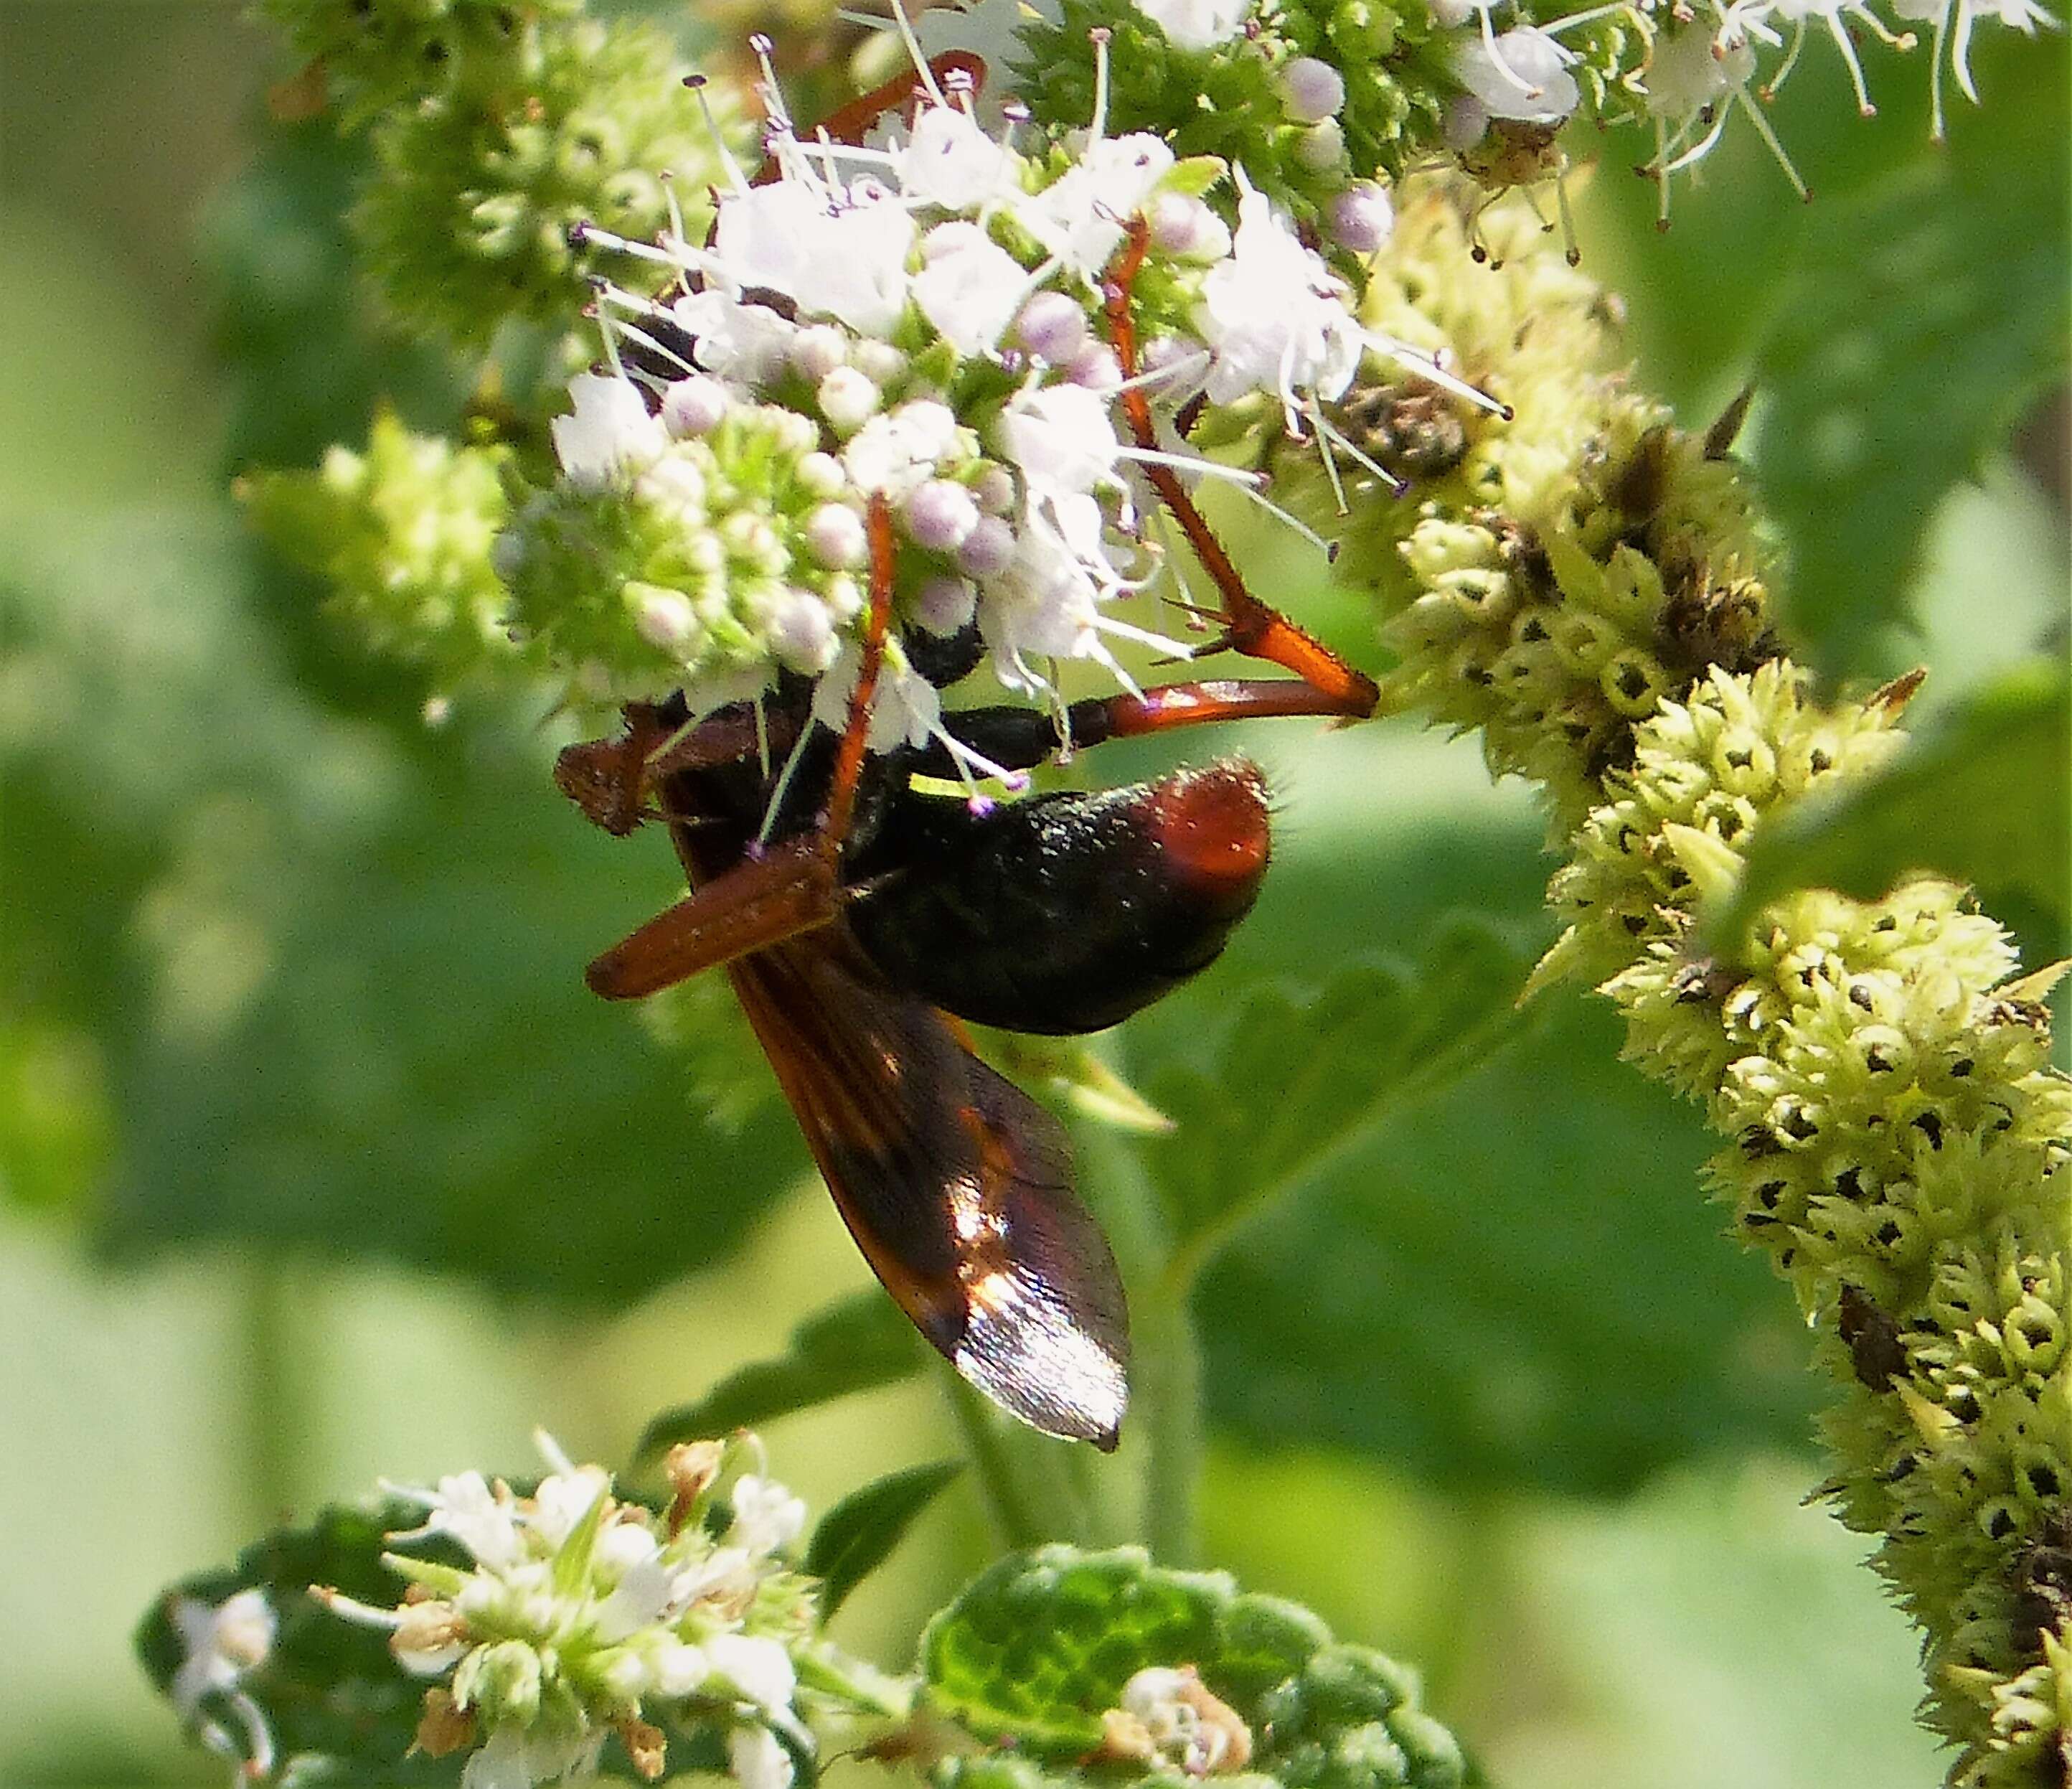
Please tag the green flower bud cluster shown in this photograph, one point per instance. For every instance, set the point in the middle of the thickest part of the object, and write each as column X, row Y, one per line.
column 1548, row 579
column 1900, row 1139
column 373, row 54
column 724, row 551
column 1588, row 587
column 1233, row 99
column 404, row 533
column 467, row 220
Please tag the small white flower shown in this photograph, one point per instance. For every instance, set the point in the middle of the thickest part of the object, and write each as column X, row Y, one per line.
column 1062, row 437
column 1522, row 75
column 950, row 162
column 464, row 1506
column 563, row 1499
column 759, row 1669
column 1687, row 70
column 222, row 1643
column 680, row 1669
column 905, row 711
column 757, row 1759
column 892, row 453
column 968, row 286
column 1197, row 24
column 1275, row 315
column 749, row 344
column 609, row 436
column 1954, row 22
column 1081, row 217
column 766, row 1517
column 841, row 257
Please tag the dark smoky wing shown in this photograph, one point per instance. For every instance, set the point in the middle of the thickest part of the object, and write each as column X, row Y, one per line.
column 956, row 1186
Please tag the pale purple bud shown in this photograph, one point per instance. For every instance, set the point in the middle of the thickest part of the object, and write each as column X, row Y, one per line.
column 1177, row 222
column 1362, row 217
column 994, row 491
column 940, row 516
column 663, row 618
column 1096, row 366
column 693, row 406
column 944, row 605
column 800, row 633
column 836, row 537
column 989, row 550
column 847, row 398
column 1465, row 124
column 1052, row 327
column 1311, row 91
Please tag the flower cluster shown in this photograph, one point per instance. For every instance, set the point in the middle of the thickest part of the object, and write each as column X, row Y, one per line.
column 916, row 327
column 578, row 1617
column 1312, row 96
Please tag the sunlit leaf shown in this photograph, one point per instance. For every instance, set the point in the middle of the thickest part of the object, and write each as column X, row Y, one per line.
column 855, row 1346
column 1036, row 1651
column 1517, row 1283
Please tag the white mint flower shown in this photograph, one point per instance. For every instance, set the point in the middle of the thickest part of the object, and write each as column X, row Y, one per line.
column 609, row 435
column 1275, row 315
column 835, row 255
column 968, row 287
column 757, row 1759
column 766, row 1517
column 1062, row 438
column 220, row 1645
column 1523, row 75
column 1080, row 217
column 748, row 344
column 905, row 711
column 1197, row 24
column 760, row 1670
column 951, row 162
column 893, row 454
column 1954, row 22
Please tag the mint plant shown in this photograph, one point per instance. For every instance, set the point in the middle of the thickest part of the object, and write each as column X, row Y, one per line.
column 735, row 374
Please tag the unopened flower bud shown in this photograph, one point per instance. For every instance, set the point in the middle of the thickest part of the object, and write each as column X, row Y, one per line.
column 940, row 516
column 878, row 360
column 1095, row 367
column 801, row 633
column 817, row 351
column 821, row 475
column 1312, row 91
column 944, row 605
column 994, row 490
column 989, row 550
column 1321, row 147
column 1362, row 217
column 693, row 406
column 836, row 537
column 1052, row 326
column 848, row 398
column 507, row 1682
column 1183, row 227
column 663, row 618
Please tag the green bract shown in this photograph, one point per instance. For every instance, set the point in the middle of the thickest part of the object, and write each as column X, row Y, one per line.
column 1040, row 1652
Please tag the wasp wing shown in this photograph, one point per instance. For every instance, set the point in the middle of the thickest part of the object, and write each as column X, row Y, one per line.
column 955, row 1184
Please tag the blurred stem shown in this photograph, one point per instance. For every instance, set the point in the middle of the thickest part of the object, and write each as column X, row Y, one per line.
column 1166, row 1374
column 270, row 1321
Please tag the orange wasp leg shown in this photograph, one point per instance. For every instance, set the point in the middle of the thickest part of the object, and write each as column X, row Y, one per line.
column 793, row 887
column 1250, row 627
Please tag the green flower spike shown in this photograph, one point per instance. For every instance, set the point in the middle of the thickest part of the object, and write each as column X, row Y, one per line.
column 466, row 221
column 404, row 535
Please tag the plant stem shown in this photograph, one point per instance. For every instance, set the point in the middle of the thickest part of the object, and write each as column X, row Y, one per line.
column 1029, row 1499
column 272, row 1423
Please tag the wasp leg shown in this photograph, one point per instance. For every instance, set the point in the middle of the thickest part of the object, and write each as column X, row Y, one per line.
column 1021, row 738
column 1250, row 627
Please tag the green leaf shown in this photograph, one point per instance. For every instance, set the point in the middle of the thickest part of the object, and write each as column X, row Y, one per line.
column 1925, row 314
column 1297, row 1081
column 331, row 1687
column 1980, row 796
column 332, row 971
column 1518, row 1285
column 855, row 1346
column 1038, row 1649
column 857, row 1537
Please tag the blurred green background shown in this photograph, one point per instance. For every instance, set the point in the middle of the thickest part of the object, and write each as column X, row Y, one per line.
column 319, row 1164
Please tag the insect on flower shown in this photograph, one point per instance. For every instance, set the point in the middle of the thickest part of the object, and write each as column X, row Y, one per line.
column 862, row 920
